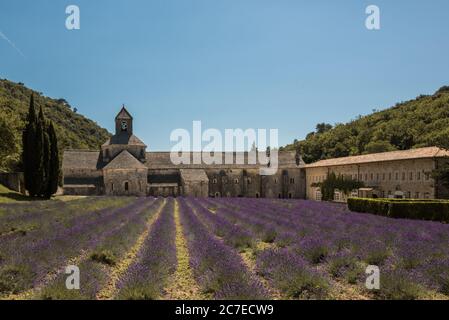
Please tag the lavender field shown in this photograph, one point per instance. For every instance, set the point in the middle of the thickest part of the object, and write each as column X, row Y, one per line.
column 224, row 248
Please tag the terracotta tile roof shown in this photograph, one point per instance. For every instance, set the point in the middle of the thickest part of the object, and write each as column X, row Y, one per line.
column 125, row 160
column 420, row 153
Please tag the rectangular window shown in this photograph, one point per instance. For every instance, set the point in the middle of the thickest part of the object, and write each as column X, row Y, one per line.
column 337, row 196
column 411, row 176
column 389, row 176
column 416, row 195
column 403, row 175
column 397, row 176
column 418, row 175
column 383, row 176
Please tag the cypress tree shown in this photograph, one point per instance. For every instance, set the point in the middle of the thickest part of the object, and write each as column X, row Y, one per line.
column 40, row 154
column 41, row 158
column 54, row 170
column 30, row 162
column 45, row 159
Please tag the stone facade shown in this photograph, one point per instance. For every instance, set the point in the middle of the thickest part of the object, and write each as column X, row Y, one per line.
column 400, row 174
column 13, row 180
column 124, row 167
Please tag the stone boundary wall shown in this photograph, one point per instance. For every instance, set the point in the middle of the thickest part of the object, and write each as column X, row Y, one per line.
column 14, row 181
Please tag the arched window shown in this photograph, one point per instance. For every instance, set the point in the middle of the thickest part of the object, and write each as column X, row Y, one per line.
column 126, row 186
column 257, row 195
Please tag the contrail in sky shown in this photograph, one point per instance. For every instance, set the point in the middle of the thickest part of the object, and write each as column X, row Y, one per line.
column 3, row 36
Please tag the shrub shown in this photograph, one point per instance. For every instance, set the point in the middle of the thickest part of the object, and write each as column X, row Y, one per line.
column 376, row 254
column 139, row 292
column 14, row 278
column 435, row 210
column 397, row 286
column 291, row 274
column 314, row 250
column 269, row 236
column 104, row 256
column 345, row 266
column 439, row 273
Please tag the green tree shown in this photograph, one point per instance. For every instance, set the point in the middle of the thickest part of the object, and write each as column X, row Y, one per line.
column 54, row 168
column 32, row 162
column 442, row 174
column 8, row 142
column 334, row 182
column 40, row 154
column 378, row 146
column 323, row 127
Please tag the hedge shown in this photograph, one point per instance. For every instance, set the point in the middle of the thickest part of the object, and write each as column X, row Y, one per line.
column 435, row 210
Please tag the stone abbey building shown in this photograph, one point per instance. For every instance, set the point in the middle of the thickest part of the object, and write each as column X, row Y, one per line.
column 124, row 167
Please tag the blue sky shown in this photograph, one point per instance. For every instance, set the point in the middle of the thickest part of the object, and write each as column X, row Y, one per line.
column 231, row 64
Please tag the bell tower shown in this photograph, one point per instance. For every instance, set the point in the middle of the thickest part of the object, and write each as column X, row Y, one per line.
column 124, row 122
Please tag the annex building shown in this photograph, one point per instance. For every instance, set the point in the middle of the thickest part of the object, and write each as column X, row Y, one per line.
column 123, row 166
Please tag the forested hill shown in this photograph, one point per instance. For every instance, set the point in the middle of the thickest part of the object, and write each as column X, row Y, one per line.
column 421, row 122
column 73, row 129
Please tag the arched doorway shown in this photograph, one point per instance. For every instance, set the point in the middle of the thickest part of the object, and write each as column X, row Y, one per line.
column 126, row 187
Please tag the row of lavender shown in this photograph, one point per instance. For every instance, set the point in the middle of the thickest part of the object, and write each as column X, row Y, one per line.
column 315, row 236
column 217, row 268
column 147, row 276
column 28, row 260
column 109, row 249
column 19, row 219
